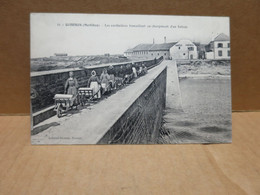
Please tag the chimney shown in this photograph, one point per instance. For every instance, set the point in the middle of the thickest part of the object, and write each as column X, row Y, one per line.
column 164, row 39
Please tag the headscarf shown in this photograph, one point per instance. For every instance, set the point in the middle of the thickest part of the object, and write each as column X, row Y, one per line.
column 93, row 73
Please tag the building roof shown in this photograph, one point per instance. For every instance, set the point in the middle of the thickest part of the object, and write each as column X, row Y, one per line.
column 159, row 47
column 162, row 46
column 129, row 50
column 222, row 37
column 185, row 42
column 152, row 47
column 197, row 44
column 142, row 47
column 61, row 54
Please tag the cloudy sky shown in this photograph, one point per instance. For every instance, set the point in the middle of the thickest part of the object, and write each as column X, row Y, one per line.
column 92, row 34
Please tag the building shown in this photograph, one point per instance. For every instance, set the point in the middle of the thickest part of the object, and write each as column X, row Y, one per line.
column 150, row 50
column 142, row 50
column 61, row 54
column 201, row 50
column 184, row 49
column 219, row 48
column 163, row 49
column 128, row 53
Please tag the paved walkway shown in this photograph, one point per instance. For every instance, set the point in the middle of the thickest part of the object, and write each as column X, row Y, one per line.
column 89, row 125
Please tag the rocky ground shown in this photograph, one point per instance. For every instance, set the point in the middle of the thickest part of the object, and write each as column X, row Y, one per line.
column 200, row 68
column 56, row 62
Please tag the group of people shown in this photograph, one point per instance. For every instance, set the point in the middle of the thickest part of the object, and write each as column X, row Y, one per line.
column 108, row 80
column 130, row 71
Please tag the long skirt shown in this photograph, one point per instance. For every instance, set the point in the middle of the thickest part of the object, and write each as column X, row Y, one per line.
column 105, row 87
column 95, row 86
column 112, row 80
column 72, row 90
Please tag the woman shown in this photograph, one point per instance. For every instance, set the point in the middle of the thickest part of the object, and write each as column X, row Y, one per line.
column 105, row 81
column 129, row 74
column 140, row 70
column 134, row 71
column 94, row 83
column 71, row 85
column 111, row 73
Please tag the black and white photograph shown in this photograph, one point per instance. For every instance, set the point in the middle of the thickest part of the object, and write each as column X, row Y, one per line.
column 129, row 79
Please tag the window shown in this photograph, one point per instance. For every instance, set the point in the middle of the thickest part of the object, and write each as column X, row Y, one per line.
column 191, row 48
column 228, row 53
column 179, row 47
column 220, row 45
column 151, row 54
column 158, row 54
column 184, row 54
column 165, row 54
column 219, row 53
column 228, row 45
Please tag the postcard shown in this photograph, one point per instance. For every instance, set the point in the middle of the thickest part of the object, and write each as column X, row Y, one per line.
column 129, row 79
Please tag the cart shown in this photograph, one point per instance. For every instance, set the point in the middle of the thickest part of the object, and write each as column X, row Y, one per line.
column 63, row 103
column 85, row 94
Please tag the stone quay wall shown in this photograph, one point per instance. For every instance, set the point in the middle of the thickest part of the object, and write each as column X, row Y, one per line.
column 141, row 122
column 48, row 83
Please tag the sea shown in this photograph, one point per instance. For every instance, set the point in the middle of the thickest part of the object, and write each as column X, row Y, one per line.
column 205, row 116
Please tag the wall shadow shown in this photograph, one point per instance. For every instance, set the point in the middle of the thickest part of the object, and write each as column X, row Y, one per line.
column 43, row 128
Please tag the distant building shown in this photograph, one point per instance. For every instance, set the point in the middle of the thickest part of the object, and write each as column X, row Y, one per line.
column 61, row 54
column 201, row 51
column 150, row 50
column 107, row 55
column 128, row 53
column 219, row 48
column 162, row 49
column 184, row 49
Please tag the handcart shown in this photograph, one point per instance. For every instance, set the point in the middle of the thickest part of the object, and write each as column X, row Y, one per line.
column 63, row 103
column 85, row 94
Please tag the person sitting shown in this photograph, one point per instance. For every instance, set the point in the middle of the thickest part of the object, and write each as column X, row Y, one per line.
column 105, row 81
column 94, row 83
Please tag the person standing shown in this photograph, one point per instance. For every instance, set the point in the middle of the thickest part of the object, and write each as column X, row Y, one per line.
column 129, row 74
column 94, row 83
column 104, row 81
column 111, row 73
column 71, row 85
column 134, row 71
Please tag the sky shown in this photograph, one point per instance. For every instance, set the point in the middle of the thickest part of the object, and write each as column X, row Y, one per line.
column 97, row 34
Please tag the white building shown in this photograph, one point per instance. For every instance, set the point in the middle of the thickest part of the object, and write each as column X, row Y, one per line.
column 219, row 48
column 149, row 51
column 184, row 49
column 128, row 53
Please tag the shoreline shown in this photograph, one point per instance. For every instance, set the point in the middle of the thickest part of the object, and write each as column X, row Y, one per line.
column 204, row 76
